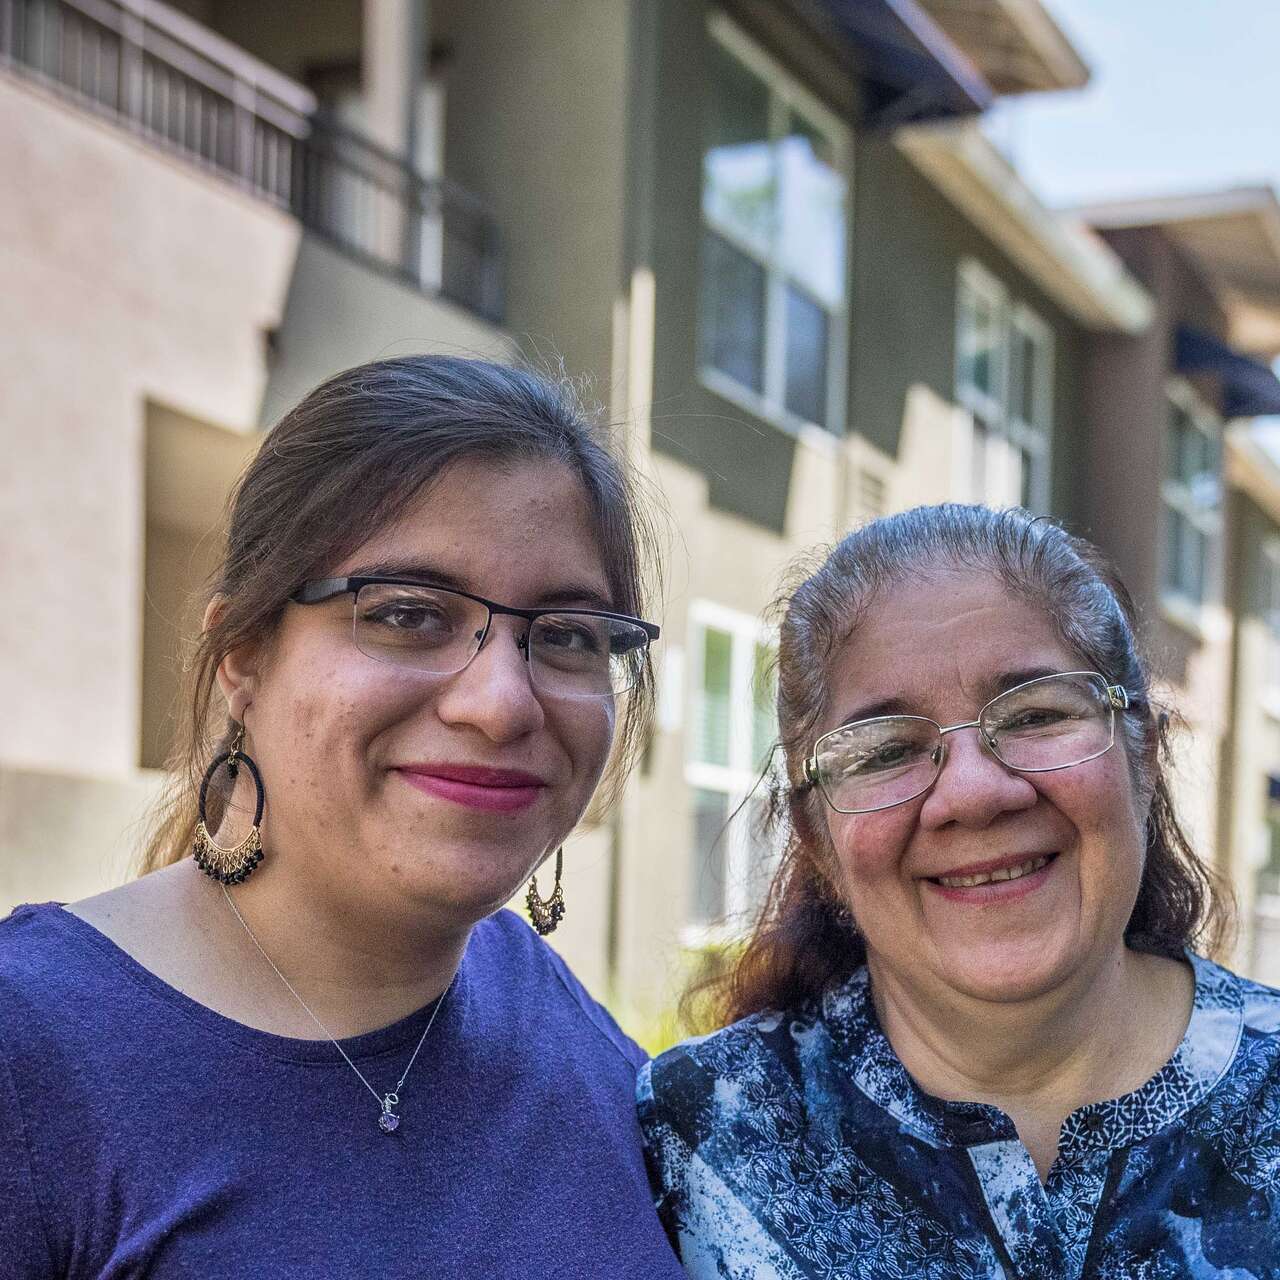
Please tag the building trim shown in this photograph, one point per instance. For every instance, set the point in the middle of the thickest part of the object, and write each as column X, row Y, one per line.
column 1232, row 238
column 1017, row 44
column 1067, row 261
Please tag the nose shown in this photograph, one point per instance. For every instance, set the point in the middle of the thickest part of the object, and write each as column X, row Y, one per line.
column 973, row 788
column 493, row 692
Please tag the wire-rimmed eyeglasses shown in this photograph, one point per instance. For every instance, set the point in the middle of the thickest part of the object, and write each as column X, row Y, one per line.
column 1052, row 722
column 572, row 653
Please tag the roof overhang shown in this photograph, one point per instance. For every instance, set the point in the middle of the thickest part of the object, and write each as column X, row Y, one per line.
column 1249, row 388
column 1068, row 262
column 1016, row 44
column 1251, row 469
column 1232, row 238
column 910, row 68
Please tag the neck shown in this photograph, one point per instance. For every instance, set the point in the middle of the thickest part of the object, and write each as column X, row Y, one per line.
column 1099, row 1035
column 356, row 969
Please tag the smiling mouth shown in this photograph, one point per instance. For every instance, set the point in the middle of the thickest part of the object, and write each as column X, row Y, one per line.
column 1016, row 872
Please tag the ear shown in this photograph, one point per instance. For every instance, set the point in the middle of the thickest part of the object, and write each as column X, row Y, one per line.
column 238, row 671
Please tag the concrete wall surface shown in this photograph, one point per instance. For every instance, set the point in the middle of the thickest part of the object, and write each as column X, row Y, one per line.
column 128, row 277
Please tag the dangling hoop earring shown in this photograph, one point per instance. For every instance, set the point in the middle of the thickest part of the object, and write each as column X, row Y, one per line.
column 546, row 913
column 237, row 864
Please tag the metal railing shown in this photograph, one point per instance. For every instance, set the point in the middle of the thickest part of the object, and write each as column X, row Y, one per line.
column 370, row 203
column 182, row 87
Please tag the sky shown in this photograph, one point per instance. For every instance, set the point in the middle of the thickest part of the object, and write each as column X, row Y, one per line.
column 1185, row 96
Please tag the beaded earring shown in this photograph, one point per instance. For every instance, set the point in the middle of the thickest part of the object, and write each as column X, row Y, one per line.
column 546, row 913
column 237, row 864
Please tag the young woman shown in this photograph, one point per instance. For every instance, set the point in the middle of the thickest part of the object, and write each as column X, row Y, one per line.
column 309, row 1042
column 970, row 1038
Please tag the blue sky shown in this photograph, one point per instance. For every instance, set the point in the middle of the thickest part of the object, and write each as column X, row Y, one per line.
column 1185, row 96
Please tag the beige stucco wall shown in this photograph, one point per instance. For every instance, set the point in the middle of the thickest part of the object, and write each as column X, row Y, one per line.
column 128, row 277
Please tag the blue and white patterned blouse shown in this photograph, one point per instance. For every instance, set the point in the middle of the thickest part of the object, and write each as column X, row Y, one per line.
column 794, row 1146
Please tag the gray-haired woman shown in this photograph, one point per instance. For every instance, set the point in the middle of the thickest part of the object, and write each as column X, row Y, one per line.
column 970, row 1038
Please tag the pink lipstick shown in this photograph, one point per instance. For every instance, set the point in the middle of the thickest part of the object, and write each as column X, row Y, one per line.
column 476, row 786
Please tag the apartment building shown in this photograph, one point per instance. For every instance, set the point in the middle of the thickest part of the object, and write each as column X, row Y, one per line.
column 1172, row 483
column 769, row 230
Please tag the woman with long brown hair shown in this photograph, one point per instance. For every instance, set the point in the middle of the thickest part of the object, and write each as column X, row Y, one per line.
column 974, row 1033
column 309, row 1042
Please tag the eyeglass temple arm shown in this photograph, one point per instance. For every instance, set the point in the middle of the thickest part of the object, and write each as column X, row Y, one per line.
column 319, row 590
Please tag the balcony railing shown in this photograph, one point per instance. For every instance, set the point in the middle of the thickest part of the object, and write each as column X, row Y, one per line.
column 172, row 81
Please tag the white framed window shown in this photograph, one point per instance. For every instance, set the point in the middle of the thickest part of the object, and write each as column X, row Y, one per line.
column 1191, row 499
column 772, row 330
column 732, row 727
column 1004, row 379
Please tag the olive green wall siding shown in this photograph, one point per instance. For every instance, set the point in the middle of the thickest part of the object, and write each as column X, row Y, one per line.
column 907, row 244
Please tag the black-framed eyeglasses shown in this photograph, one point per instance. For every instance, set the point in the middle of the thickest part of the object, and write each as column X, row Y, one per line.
column 572, row 653
column 1049, row 723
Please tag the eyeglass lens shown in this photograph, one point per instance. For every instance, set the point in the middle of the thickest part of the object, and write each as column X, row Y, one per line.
column 433, row 630
column 1050, row 723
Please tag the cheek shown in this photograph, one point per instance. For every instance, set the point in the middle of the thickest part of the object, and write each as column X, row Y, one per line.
column 586, row 733
column 323, row 709
column 1098, row 799
column 869, row 846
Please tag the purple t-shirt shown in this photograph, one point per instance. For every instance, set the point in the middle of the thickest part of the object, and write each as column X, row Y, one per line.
column 142, row 1134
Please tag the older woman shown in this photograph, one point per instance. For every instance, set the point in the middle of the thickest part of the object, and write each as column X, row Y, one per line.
column 971, row 1038
column 310, row 1043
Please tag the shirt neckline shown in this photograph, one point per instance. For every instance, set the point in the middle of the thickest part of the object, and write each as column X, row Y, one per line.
column 371, row 1045
column 1204, row 1054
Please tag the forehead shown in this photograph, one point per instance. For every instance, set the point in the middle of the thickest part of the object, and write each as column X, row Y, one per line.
column 941, row 645
column 514, row 531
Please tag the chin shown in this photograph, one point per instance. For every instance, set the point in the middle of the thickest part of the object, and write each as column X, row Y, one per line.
column 463, row 881
column 1009, row 973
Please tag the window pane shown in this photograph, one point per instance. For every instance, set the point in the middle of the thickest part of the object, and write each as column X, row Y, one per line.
column 764, row 720
column 1026, row 375
column 980, row 448
column 711, row 745
column 1197, row 556
column 812, row 241
column 739, row 189
column 1183, row 445
column 808, row 339
column 731, row 330
column 1170, row 558
column 710, row 855
column 978, row 341
column 1025, row 479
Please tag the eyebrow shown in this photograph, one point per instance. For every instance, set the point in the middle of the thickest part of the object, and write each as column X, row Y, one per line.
column 995, row 685
column 566, row 595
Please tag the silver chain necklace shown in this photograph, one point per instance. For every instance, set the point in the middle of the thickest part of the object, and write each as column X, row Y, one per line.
column 388, row 1119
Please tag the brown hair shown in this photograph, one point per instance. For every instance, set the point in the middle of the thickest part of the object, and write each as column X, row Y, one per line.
column 343, row 464
column 805, row 938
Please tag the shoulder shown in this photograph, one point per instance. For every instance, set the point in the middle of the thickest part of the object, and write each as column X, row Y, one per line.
column 521, row 973
column 38, row 947
column 709, row 1079
column 1261, row 1006
column 55, row 975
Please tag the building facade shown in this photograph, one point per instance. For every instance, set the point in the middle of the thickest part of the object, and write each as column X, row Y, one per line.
column 770, row 232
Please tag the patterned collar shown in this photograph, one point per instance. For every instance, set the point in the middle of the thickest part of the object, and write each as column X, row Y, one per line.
column 1202, row 1057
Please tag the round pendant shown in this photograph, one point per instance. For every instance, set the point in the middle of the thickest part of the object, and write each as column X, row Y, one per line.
column 388, row 1122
